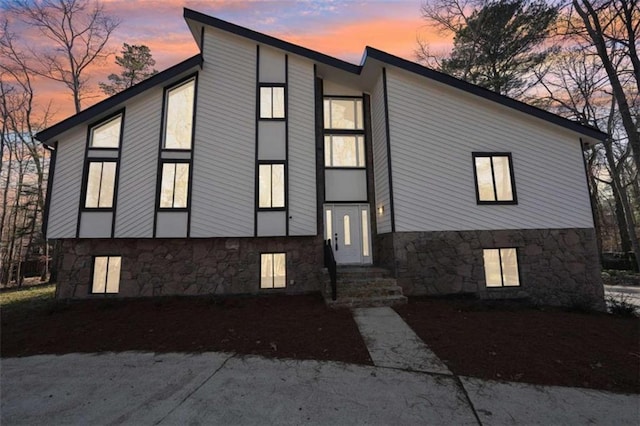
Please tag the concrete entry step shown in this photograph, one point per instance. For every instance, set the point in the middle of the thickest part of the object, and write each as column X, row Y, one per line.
column 363, row 286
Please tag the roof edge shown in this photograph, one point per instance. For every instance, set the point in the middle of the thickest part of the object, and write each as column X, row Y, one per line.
column 49, row 133
column 271, row 41
column 371, row 52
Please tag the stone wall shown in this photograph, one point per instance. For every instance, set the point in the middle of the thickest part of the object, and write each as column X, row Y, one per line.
column 558, row 267
column 155, row 267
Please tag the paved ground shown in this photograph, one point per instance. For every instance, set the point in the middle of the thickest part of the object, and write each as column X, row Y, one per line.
column 630, row 294
column 216, row 388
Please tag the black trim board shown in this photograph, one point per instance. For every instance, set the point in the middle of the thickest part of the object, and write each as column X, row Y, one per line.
column 392, row 217
column 53, row 151
column 101, row 107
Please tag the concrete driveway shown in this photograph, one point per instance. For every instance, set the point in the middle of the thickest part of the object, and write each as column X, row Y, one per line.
column 216, row 388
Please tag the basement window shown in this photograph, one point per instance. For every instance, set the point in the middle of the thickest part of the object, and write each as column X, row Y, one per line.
column 273, row 270
column 501, row 267
column 106, row 274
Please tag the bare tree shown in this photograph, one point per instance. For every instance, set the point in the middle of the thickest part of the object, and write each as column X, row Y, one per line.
column 612, row 28
column 78, row 31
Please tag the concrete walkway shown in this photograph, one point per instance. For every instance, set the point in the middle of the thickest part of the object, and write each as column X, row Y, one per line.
column 393, row 344
column 408, row 385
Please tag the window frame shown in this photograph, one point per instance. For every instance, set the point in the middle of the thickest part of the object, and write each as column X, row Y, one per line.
column 85, row 184
column 502, row 284
column 359, row 155
column 259, row 103
column 273, row 276
column 176, row 161
column 165, row 112
column 285, row 189
column 93, row 270
column 102, row 122
column 355, row 130
column 490, row 155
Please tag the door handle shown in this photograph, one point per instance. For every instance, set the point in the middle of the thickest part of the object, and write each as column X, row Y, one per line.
column 336, row 236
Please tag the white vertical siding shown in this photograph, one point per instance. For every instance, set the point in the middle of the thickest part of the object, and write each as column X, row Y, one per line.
column 67, row 182
column 223, row 201
column 138, row 166
column 380, row 166
column 302, row 153
column 434, row 129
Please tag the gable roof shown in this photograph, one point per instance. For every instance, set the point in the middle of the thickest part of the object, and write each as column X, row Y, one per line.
column 398, row 62
column 49, row 133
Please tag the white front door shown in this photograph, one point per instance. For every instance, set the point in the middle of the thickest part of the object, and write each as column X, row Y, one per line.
column 347, row 226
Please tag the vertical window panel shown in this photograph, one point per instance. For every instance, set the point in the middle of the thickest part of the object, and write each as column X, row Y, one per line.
column 510, row 267
column 327, row 114
column 93, row 185
column 278, row 102
column 265, row 102
column 329, row 225
column 347, row 229
column 108, row 184
column 502, row 178
column 106, row 135
column 100, row 265
column 493, row 274
column 359, row 115
column 361, row 154
column 343, row 151
column 179, row 116
column 485, row 179
column 265, row 186
column 181, row 188
column 166, row 187
column 266, row 270
column 365, row 233
column 279, row 270
column 277, row 185
column 113, row 274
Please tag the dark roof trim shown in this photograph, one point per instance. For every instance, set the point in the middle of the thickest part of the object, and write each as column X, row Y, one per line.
column 47, row 134
column 387, row 58
column 271, row 41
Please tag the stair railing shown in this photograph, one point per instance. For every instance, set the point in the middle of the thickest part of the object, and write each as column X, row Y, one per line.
column 330, row 264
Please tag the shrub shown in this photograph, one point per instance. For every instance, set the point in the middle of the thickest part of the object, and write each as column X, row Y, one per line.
column 621, row 307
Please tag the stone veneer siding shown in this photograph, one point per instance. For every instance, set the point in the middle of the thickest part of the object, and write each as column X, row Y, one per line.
column 160, row 267
column 558, row 267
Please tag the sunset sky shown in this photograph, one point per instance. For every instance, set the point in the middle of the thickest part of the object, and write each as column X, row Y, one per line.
column 340, row 28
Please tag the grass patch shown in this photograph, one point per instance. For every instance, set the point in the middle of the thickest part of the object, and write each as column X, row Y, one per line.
column 27, row 298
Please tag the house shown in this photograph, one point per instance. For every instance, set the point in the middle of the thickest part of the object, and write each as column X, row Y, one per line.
column 227, row 172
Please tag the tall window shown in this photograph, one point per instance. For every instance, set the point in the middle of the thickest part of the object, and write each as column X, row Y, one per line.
column 174, row 186
column 101, row 167
column 501, row 267
column 106, row 274
column 101, row 179
column 494, row 178
column 272, row 101
column 271, row 186
column 178, row 128
column 344, row 133
column 273, row 270
column 175, row 164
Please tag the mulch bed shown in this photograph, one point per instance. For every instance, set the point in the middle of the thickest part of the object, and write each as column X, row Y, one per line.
column 510, row 341
column 300, row 327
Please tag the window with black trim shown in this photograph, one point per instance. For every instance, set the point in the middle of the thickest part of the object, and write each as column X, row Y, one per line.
column 100, row 184
column 178, row 120
column 273, row 270
column 272, row 102
column 343, row 113
column 174, row 186
column 271, row 186
column 106, row 274
column 501, row 267
column 494, row 178
column 344, row 151
column 106, row 134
